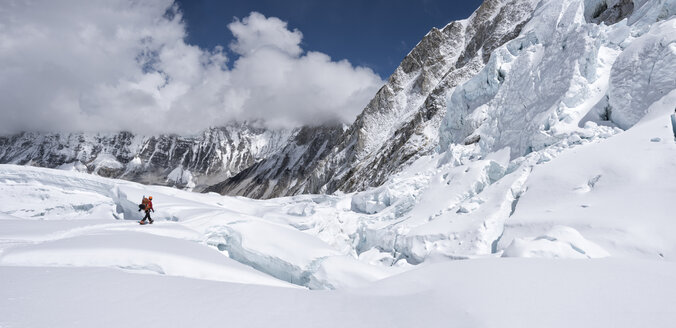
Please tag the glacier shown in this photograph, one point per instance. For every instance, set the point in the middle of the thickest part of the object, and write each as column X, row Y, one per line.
column 540, row 197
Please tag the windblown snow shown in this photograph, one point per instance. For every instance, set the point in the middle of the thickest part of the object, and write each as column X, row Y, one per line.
column 548, row 203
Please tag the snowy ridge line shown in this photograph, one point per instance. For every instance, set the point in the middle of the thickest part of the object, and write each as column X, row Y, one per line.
column 206, row 216
column 215, row 154
column 303, row 267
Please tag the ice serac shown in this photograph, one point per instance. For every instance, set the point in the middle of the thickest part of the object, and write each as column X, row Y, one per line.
column 565, row 82
column 401, row 122
column 642, row 74
column 560, row 73
column 180, row 161
column 550, row 92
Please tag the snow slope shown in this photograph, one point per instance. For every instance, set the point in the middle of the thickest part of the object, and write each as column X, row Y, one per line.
column 607, row 196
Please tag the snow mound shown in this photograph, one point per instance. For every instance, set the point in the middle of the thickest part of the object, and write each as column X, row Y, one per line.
column 28, row 193
column 559, row 242
column 137, row 251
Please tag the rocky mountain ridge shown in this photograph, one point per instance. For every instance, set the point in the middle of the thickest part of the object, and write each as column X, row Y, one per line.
column 179, row 161
column 401, row 122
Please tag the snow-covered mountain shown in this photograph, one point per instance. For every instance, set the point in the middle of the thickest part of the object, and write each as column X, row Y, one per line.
column 448, row 86
column 282, row 172
column 598, row 96
column 401, row 121
column 590, row 82
column 180, row 161
column 519, row 74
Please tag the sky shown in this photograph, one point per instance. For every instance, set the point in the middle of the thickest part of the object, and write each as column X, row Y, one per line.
column 373, row 33
column 159, row 66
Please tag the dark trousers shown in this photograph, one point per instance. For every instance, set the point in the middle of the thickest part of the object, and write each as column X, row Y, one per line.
column 147, row 217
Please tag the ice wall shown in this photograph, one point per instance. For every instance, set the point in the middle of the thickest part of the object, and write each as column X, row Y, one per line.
column 539, row 87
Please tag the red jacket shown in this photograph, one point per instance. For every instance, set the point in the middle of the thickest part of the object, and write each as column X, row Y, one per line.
column 149, row 206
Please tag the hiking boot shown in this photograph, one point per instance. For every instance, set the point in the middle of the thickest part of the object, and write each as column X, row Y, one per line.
column 151, row 221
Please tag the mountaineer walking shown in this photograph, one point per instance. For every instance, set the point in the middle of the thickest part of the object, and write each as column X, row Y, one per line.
column 147, row 205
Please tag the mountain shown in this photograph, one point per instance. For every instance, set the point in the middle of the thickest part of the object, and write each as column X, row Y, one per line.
column 527, row 152
column 420, row 109
column 452, row 89
column 180, row 161
column 401, row 122
column 556, row 148
column 279, row 173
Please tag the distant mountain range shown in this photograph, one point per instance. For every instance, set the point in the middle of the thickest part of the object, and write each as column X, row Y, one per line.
column 179, row 161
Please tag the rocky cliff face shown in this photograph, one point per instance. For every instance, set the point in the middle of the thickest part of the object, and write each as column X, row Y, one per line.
column 280, row 173
column 180, row 161
column 401, row 122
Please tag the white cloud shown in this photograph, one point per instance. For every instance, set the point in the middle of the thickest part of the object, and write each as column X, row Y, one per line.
column 124, row 65
column 257, row 31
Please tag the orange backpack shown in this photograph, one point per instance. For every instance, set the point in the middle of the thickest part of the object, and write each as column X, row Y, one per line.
column 144, row 203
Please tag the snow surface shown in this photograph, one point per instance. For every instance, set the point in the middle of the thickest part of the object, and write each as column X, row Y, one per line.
column 479, row 293
column 248, row 231
column 547, row 204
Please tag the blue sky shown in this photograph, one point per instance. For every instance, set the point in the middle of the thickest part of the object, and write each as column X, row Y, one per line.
column 376, row 34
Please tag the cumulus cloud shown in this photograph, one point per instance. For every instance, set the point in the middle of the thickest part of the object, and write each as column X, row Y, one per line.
column 96, row 65
column 256, row 32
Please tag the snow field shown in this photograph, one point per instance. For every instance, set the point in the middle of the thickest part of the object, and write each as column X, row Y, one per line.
column 207, row 229
column 475, row 293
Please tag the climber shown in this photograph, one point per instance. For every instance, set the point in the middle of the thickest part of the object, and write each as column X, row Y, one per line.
column 147, row 205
